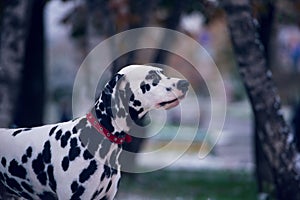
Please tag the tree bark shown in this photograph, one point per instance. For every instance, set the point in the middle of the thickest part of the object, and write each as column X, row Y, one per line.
column 29, row 111
column 171, row 23
column 14, row 28
column 265, row 12
column 275, row 136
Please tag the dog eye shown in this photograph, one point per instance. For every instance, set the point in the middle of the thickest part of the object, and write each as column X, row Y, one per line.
column 150, row 76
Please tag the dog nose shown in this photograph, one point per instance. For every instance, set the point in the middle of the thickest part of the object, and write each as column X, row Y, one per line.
column 183, row 85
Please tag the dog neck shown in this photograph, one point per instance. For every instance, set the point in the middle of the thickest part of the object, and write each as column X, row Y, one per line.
column 114, row 108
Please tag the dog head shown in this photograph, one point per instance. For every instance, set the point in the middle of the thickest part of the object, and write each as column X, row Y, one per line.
column 137, row 89
column 148, row 88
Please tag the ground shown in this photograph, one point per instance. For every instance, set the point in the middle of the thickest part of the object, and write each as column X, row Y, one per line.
column 187, row 184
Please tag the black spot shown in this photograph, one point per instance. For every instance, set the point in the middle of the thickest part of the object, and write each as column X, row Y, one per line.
column 17, row 170
column 58, row 134
column 3, row 162
column 27, row 129
column 87, row 172
column 9, row 190
column 64, row 139
column 112, row 83
column 1, row 177
column 27, row 187
column 101, row 106
column 107, row 171
column 134, row 114
column 113, row 171
column 106, row 97
column 104, row 198
column 38, row 164
column 153, row 75
column 87, row 155
column 74, row 186
column 74, row 130
column 96, row 194
column 47, row 152
column 145, row 87
column 74, row 150
column 52, row 182
column 118, row 184
column 24, row 159
column 106, row 122
column 102, row 176
column 98, row 113
column 17, row 132
column 132, row 97
column 26, row 196
column 78, row 193
column 65, row 163
column 42, row 177
column 13, row 184
column 154, row 83
column 137, row 103
column 29, row 152
column 168, row 89
column 47, row 196
column 120, row 134
column 108, row 186
column 52, row 130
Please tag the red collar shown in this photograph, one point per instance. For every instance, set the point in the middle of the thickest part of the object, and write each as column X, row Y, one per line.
column 101, row 129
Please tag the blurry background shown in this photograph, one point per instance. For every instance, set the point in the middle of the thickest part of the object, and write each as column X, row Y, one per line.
column 57, row 36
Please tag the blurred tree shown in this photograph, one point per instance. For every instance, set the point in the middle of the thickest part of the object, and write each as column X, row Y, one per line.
column 29, row 111
column 14, row 28
column 22, row 63
column 14, row 16
column 175, row 9
column 273, row 133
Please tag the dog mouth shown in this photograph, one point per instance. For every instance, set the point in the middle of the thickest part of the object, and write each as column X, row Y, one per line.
column 162, row 104
column 170, row 104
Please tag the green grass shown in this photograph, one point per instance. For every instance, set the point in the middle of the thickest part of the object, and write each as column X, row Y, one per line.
column 202, row 185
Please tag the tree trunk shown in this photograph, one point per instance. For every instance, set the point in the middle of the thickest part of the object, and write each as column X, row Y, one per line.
column 29, row 110
column 14, row 28
column 274, row 135
column 265, row 17
column 171, row 23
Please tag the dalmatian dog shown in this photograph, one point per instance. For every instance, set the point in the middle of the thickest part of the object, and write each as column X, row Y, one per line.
column 78, row 159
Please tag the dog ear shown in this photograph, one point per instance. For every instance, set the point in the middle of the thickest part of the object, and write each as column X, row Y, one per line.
column 107, row 93
column 113, row 82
